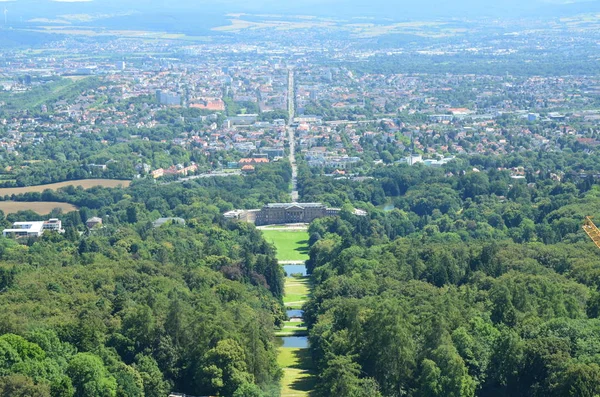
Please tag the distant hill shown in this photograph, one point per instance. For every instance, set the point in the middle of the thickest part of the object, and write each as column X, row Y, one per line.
column 15, row 39
column 567, row 10
column 199, row 16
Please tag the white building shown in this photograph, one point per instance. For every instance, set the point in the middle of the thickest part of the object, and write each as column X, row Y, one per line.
column 412, row 159
column 437, row 163
column 25, row 229
column 53, row 224
column 33, row 229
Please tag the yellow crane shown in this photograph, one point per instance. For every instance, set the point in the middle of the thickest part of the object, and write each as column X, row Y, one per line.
column 592, row 230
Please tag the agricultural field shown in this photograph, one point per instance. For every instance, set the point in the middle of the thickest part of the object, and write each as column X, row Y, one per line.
column 291, row 245
column 41, row 207
column 84, row 183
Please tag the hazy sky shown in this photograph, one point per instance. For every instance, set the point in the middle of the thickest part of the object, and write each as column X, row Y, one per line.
column 397, row 9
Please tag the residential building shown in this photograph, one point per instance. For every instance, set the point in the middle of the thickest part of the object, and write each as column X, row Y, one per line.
column 167, row 98
column 273, row 152
column 254, row 160
column 441, row 117
column 93, row 222
column 412, row 159
column 157, row 173
column 53, row 224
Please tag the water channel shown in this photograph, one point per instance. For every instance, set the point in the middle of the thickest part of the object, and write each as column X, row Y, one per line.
column 294, row 269
column 294, row 314
column 299, row 342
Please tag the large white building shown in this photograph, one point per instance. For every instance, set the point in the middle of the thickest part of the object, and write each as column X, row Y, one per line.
column 33, row 229
column 25, row 229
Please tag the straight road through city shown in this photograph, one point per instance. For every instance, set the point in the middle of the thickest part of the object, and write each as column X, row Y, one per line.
column 291, row 137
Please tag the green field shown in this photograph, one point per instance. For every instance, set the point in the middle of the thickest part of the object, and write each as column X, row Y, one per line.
column 297, row 366
column 291, row 245
column 292, row 328
column 296, row 292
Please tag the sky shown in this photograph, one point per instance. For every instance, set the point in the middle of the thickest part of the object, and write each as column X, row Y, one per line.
column 23, row 10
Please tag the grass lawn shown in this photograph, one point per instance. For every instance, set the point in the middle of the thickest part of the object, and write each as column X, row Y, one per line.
column 297, row 366
column 296, row 292
column 291, row 245
column 292, row 328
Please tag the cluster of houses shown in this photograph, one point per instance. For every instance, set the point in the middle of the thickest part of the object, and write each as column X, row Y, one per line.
column 352, row 110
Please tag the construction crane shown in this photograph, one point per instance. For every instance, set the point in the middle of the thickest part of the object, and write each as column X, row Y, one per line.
column 592, row 230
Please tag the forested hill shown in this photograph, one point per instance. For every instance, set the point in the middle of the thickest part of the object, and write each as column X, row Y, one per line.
column 132, row 309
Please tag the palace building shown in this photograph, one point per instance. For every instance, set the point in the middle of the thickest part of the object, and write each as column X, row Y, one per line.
column 282, row 213
column 278, row 213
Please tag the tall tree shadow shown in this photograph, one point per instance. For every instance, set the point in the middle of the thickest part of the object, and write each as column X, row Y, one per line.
column 305, row 364
column 302, row 247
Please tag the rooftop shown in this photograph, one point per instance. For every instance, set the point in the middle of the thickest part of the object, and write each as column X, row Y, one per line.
column 33, row 226
column 29, row 227
column 301, row 205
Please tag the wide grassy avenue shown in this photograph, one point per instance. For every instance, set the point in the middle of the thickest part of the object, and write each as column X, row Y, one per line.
column 292, row 246
column 298, row 379
column 296, row 292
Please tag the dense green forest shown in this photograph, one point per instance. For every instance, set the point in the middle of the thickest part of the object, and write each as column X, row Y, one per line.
column 268, row 184
column 475, row 283
column 130, row 309
column 141, row 312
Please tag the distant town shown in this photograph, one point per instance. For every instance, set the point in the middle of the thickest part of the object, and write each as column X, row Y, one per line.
column 227, row 104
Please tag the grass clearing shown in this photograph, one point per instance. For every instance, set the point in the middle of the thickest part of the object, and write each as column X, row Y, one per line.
column 291, row 245
column 297, row 366
column 296, row 292
column 291, row 332
column 296, row 288
column 84, row 183
column 293, row 328
column 40, row 207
